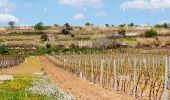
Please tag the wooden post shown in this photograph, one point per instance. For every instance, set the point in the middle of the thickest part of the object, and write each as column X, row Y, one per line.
column 92, row 71
column 153, row 66
column 85, row 64
column 101, row 72
column 115, row 76
column 135, row 83
column 166, row 79
column 144, row 60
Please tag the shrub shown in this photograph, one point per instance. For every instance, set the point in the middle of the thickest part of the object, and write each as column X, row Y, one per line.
column 122, row 32
column 147, row 42
column 26, row 33
column 44, row 37
column 105, row 43
column 65, row 31
column 72, row 35
column 3, row 50
column 164, row 41
column 48, row 46
column 150, row 33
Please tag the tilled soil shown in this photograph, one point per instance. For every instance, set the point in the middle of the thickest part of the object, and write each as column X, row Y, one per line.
column 78, row 88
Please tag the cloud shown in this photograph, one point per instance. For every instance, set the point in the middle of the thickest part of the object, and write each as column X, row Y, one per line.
column 146, row 4
column 82, row 3
column 164, row 21
column 29, row 3
column 7, row 18
column 6, row 6
column 78, row 17
column 101, row 13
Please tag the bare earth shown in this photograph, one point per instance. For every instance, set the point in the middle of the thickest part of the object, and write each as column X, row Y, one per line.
column 78, row 88
column 30, row 66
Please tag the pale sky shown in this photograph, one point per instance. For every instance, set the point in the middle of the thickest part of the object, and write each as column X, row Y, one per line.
column 78, row 12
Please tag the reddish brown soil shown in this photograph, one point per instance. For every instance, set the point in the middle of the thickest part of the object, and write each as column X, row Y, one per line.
column 78, row 88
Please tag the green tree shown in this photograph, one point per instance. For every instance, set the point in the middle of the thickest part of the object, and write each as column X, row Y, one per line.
column 107, row 25
column 165, row 25
column 87, row 24
column 150, row 33
column 131, row 25
column 11, row 23
column 56, row 25
column 122, row 25
column 39, row 26
column 67, row 26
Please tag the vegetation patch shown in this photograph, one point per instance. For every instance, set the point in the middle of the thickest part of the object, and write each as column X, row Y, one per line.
column 37, row 87
column 27, row 33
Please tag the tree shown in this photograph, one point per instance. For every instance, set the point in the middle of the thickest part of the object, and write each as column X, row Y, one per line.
column 39, row 26
column 165, row 25
column 11, row 23
column 150, row 33
column 131, row 25
column 158, row 26
column 56, row 25
column 66, row 29
column 122, row 25
column 113, row 25
column 67, row 26
column 87, row 24
column 107, row 25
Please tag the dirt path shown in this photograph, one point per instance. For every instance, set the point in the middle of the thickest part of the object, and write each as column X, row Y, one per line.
column 80, row 89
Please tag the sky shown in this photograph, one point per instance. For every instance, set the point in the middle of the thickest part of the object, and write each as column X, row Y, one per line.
column 78, row 12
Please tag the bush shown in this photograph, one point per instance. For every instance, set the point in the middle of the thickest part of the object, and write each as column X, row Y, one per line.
column 26, row 33
column 4, row 50
column 150, row 33
column 106, row 43
column 44, row 37
column 147, row 42
column 48, row 46
column 65, row 31
column 72, row 35
column 122, row 32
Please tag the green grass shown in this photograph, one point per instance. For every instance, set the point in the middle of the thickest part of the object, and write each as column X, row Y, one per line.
column 31, row 87
column 130, row 41
column 15, row 89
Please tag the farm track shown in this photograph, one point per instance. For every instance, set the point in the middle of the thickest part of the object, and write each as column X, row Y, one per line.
column 78, row 88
